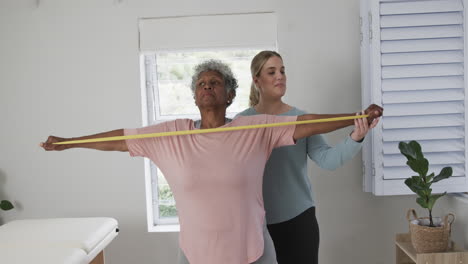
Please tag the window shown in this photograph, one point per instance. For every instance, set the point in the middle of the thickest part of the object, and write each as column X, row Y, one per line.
column 413, row 55
column 170, row 48
column 168, row 95
column 170, row 74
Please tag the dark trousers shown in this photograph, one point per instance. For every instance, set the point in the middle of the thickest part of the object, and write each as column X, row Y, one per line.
column 297, row 240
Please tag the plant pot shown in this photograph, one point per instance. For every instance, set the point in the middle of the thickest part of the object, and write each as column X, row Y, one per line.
column 426, row 239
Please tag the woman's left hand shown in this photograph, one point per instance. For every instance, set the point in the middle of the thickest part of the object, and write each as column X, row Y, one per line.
column 361, row 127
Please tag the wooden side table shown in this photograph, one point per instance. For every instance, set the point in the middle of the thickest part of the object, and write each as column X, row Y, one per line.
column 405, row 253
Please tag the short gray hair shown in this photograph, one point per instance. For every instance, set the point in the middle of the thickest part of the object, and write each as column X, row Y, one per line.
column 230, row 82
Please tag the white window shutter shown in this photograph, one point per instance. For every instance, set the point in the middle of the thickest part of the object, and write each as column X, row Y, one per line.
column 412, row 62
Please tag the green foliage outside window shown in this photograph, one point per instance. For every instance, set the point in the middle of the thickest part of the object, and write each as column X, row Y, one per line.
column 174, row 75
column 166, row 201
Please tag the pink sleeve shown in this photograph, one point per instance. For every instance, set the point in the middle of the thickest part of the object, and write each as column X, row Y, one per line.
column 146, row 146
column 276, row 136
column 282, row 135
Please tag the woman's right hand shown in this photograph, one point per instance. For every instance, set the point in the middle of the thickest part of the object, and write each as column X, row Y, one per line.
column 374, row 111
column 49, row 146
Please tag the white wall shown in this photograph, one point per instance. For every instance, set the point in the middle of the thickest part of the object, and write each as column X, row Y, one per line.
column 71, row 68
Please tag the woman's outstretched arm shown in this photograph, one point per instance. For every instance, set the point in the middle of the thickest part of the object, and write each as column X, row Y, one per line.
column 306, row 130
column 118, row 145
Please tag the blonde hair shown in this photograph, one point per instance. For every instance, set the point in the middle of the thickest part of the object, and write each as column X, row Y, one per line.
column 255, row 67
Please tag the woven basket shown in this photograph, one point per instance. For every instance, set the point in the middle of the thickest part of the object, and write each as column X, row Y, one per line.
column 427, row 239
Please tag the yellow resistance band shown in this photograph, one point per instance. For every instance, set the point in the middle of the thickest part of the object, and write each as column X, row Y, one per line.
column 209, row 130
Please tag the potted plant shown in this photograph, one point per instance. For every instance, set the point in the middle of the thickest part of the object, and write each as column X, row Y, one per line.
column 428, row 234
column 6, row 205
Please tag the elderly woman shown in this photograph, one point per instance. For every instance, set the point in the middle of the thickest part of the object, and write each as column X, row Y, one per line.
column 216, row 178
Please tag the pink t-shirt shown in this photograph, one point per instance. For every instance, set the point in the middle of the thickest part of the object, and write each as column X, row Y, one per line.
column 216, row 179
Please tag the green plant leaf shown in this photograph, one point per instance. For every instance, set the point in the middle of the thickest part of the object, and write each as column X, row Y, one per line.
column 419, row 165
column 407, row 150
column 415, row 184
column 427, row 185
column 417, row 149
column 6, row 205
column 444, row 174
column 422, row 202
column 421, row 185
column 433, row 198
column 429, row 177
column 411, row 150
column 422, row 194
